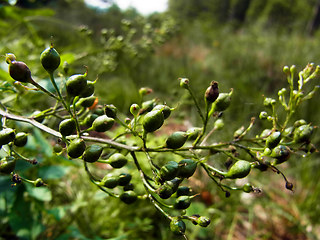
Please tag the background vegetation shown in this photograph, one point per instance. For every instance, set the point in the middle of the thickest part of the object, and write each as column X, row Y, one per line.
column 242, row 44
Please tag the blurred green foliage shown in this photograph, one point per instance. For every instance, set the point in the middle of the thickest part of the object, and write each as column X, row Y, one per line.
column 241, row 44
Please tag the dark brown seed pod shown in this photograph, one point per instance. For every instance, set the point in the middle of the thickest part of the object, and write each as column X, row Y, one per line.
column 19, row 71
column 212, row 92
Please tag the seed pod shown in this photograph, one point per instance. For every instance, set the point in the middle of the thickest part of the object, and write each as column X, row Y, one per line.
column 169, row 171
column 269, row 102
column 193, row 133
column 203, row 221
column 88, row 90
column 183, row 191
column 299, row 123
column 182, row 202
column 273, row 140
column 287, row 132
column 239, row 132
column 76, row 148
column 184, row 82
column 134, row 109
column 76, row 84
column 223, row 101
column 67, row 127
column 110, row 110
column 280, row 153
column 177, row 226
column 147, row 106
column 187, row 167
column 50, row 59
column 86, row 102
column 165, row 191
column 174, row 183
column 128, row 197
column 7, row 135
column 19, row 71
column 117, row 160
column 102, row 123
column 21, row 139
column 124, row 179
column 166, row 111
column 7, row 165
column 240, row 169
column 302, row 134
column 57, row 148
column 38, row 182
column 110, row 181
column 128, row 187
column 212, row 92
column 153, row 120
column 247, row 188
column 92, row 153
column 219, row 124
column 176, row 140
column 90, row 119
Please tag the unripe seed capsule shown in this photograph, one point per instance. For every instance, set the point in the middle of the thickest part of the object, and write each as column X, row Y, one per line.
column 187, row 167
column 223, row 101
column 88, row 90
column 117, row 160
column 280, row 153
column 7, row 165
column 182, row 202
column 124, row 179
column 20, row 139
column 240, row 169
column 134, row 109
column 7, row 135
column 67, row 127
column 184, row 82
column 273, row 140
column 92, row 153
column 176, row 140
column 102, row 123
column 177, row 226
column 86, row 102
column 166, row 110
column 76, row 148
column 128, row 197
column 110, row 110
column 169, row 171
column 203, row 221
column 218, row 124
column 19, row 71
column 183, row 191
column 50, row 59
column 109, row 181
column 153, row 120
column 38, row 183
column 263, row 115
column 303, row 134
column 193, row 133
column 76, row 84
column 247, row 188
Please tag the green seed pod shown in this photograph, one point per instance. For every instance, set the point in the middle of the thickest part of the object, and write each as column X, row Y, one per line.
column 263, row 115
column 19, row 71
column 134, row 109
column 193, row 133
column 90, row 119
column 280, row 153
column 99, row 110
column 218, row 124
column 299, row 123
column 128, row 197
column 110, row 110
column 174, row 183
column 203, row 221
column 166, row 111
column 38, row 116
column 117, row 160
column 223, row 101
column 184, row 83
column 187, row 167
column 128, row 187
column 7, row 165
column 287, row 132
column 76, row 84
column 144, row 91
column 176, row 140
column 92, row 153
column 265, row 133
column 102, row 123
column 57, row 148
column 7, row 135
column 147, row 106
column 247, row 188
column 269, row 102
column 169, row 171
column 76, row 148
column 273, row 140
column 240, row 169
column 239, row 132
column 182, row 202
column 183, row 191
column 177, row 226
column 302, row 134
column 153, row 120
column 88, row 90
column 212, row 92
column 165, row 191
column 124, row 179
column 86, row 102
column 21, row 139
column 50, row 59
column 67, row 127
column 110, row 181
column 38, row 182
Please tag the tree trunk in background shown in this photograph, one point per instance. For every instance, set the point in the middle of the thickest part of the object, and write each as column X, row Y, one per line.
column 314, row 23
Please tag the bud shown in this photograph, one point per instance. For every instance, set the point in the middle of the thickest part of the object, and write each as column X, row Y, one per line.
column 134, row 109
column 184, row 83
column 269, row 102
column 212, row 92
column 263, row 115
column 286, row 70
column 218, row 124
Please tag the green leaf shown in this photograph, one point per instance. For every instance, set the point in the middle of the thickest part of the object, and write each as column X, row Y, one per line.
column 53, row 172
column 40, row 193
